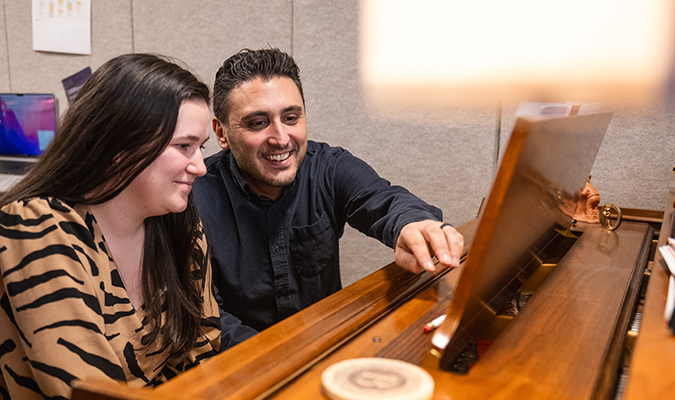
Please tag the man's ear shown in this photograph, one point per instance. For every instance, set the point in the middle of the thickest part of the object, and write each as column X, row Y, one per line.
column 219, row 130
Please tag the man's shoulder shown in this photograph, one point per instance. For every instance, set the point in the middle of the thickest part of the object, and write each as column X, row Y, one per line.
column 330, row 164
column 322, row 150
column 216, row 167
column 215, row 159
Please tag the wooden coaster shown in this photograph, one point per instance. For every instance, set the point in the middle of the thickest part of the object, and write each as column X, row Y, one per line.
column 376, row 378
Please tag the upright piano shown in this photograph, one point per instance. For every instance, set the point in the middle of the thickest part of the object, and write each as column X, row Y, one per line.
column 577, row 313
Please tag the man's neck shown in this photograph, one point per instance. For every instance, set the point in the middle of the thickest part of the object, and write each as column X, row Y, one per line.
column 269, row 191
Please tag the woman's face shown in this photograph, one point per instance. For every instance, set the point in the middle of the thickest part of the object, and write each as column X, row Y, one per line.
column 163, row 187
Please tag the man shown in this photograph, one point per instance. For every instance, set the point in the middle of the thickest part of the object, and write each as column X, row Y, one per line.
column 275, row 204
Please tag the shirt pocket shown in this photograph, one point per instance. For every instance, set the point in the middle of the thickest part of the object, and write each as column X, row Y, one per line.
column 313, row 246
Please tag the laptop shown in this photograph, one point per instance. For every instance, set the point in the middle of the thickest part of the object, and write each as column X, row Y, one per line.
column 27, row 126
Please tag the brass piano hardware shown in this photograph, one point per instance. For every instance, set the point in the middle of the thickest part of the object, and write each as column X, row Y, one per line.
column 538, row 277
column 431, row 359
column 536, row 255
column 605, row 216
column 568, row 232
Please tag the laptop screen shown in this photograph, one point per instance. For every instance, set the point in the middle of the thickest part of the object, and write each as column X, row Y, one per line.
column 27, row 123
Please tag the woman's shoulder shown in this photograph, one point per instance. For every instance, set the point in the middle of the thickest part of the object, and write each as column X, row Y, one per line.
column 38, row 216
column 38, row 206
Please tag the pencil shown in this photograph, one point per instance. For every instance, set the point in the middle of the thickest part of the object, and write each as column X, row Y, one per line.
column 434, row 324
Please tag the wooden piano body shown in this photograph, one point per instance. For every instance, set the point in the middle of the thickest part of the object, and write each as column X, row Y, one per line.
column 567, row 342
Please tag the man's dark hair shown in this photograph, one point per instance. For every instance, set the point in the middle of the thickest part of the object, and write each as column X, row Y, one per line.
column 121, row 121
column 247, row 65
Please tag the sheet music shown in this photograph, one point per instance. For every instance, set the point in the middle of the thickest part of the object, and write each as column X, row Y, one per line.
column 530, row 108
column 668, row 253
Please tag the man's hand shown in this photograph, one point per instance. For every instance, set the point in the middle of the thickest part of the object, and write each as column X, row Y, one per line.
column 419, row 240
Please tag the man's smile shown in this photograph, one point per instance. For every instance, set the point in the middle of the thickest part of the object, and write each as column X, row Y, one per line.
column 278, row 157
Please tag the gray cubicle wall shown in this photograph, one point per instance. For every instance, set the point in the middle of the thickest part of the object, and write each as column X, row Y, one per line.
column 447, row 158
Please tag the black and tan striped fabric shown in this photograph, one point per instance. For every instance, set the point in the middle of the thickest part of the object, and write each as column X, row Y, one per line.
column 64, row 311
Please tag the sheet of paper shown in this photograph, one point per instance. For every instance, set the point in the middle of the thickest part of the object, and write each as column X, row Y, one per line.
column 530, row 108
column 62, row 26
column 670, row 300
column 668, row 253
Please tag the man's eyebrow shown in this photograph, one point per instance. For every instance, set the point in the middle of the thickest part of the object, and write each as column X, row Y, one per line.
column 265, row 113
column 254, row 114
column 292, row 108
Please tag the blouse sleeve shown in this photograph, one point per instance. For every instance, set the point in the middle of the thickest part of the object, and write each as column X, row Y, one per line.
column 52, row 329
column 211, row 325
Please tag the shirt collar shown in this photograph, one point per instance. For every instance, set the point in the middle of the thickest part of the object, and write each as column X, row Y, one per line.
column 234, row 170
column 243, row 185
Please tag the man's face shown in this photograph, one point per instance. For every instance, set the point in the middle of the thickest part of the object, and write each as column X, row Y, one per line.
column 266, row 132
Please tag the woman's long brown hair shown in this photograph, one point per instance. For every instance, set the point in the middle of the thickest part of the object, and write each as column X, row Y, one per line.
column 122, row 120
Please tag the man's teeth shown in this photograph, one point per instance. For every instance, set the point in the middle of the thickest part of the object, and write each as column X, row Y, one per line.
column 278, row 157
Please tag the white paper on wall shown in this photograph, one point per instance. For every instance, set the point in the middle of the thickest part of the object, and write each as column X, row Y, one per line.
column 62, row 26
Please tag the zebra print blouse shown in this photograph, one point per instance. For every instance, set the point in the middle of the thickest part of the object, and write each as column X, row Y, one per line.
column 65, row 313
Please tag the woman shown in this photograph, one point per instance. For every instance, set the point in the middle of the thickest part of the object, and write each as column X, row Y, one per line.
column 103, row 261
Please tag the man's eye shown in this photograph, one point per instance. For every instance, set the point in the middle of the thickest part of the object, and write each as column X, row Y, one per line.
column 291, row 119
column 257, row 124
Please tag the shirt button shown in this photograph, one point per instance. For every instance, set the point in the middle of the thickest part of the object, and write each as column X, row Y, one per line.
column 277, row 249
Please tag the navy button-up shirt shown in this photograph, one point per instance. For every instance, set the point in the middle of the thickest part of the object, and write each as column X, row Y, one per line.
column 273, row 258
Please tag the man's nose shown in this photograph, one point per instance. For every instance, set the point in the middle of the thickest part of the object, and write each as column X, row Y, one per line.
column 278, row 136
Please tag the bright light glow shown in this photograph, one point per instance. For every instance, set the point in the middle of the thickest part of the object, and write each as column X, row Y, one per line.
column 507, row 42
